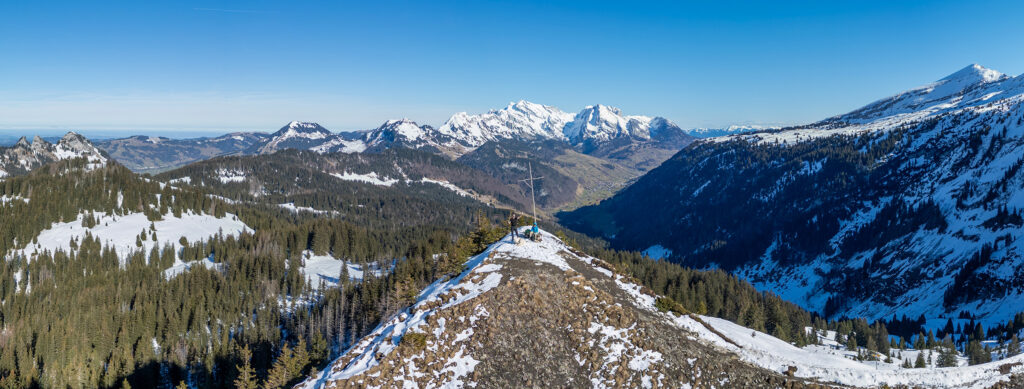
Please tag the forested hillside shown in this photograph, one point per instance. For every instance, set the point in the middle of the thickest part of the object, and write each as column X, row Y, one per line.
column 347, row 183
column 89, row 317
column 908, row 206
column 253, row 304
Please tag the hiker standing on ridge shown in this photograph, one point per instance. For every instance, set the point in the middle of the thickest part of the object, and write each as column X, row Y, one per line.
column 513, row 225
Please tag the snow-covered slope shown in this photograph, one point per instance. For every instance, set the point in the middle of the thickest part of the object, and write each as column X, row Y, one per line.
column 602, row 123
column 503, row 320
column 971, row 90
column 326, row 270
column 907, row 206
column 525, row 121
column 120, row 232
column 404, row 133
column 521, row 120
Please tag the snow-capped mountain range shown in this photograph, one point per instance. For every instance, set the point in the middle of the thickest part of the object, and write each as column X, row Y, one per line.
column 910, row 205
column 522, row 121
column 25, row 156
column 519, row 121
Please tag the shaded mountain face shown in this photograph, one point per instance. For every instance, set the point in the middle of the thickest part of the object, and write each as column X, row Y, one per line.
column 346, row 182
column 154, row 154
column 539, row 315
column 907, row 206
column 24, row 156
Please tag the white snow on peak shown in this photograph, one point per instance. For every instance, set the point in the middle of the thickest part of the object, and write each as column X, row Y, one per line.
column 971, row 90
column 975, row 74
column 406, row 128
column 518, row 120
column 306, row 130
column 301, row 125
column 601, row 122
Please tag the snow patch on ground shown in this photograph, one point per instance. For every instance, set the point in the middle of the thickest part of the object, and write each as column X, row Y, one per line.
column 548, row 250
column 181, row 180
column 181, row 267
column 294, row 208
column 657, row 252
column 822, row 362
column 7, row 199
column 326, row 270
column 447, row 185
column 226, row 176
column 370, row 178
column 120, row 232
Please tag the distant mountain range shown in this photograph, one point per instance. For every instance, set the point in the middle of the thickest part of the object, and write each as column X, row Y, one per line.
column 910, row 205
column 597, row 129
column 585, row 157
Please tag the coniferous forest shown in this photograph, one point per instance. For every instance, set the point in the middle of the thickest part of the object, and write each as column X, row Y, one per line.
column 87, row 317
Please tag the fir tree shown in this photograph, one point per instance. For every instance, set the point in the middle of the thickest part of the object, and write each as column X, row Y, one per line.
column 246, row 375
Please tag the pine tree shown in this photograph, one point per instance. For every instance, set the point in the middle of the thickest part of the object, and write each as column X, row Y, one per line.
column 947, row 357
column 1013, row 348
column 246, row 375
column 919, row 362
column 279, row 373
column 300, row 359
column 851, row 343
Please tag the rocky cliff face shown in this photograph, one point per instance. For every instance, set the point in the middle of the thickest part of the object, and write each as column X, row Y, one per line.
column 24, row 156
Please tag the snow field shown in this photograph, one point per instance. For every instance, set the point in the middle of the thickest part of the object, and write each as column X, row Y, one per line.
column 120, row 232
column 325, row 269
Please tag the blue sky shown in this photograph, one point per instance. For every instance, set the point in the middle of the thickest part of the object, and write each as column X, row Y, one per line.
column 221, row 65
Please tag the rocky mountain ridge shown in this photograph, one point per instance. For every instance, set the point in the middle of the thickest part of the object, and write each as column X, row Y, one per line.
column 25, row 156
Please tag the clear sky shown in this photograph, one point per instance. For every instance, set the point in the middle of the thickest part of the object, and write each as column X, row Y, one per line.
column 222, row 65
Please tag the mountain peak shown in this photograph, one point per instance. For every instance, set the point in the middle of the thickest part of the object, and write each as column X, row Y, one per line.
column 601, row 123
column 975, row 74
column 521, row 120
column 72, row 136
column 303, row 129
column 405, row 127
column 23, row 143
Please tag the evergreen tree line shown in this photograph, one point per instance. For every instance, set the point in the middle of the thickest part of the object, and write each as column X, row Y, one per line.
column 87, row 318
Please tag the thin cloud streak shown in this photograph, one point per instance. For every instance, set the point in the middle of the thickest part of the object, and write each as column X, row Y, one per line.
column 233, row 11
